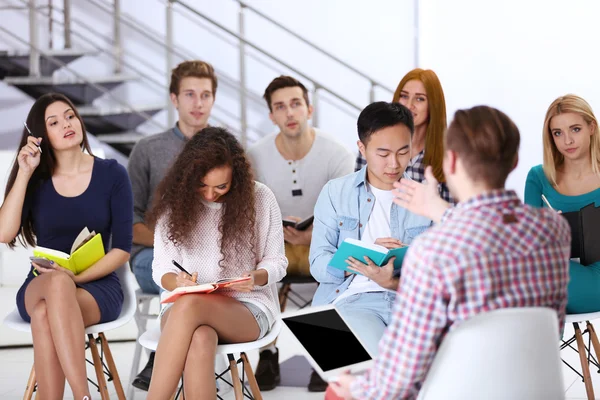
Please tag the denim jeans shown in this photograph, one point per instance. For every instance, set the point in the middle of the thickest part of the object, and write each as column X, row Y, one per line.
column 368, row 314
column 142, row 269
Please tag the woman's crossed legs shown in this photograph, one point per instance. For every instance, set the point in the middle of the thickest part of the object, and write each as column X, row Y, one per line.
column 191, row 330
column 59, row 313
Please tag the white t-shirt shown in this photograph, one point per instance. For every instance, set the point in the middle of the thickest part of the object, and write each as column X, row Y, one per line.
column 378, row 226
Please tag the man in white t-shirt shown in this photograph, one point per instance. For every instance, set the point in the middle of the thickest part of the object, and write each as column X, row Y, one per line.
column 295, row 164
column 360, row 206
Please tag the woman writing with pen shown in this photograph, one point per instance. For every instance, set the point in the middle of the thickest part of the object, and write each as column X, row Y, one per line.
column 568, row 180
column 214, row 222
column 47, row 202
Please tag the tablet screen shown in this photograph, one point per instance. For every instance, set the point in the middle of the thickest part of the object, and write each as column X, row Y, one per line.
column 327, row 338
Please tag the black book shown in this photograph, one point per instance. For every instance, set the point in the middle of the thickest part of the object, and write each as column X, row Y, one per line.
column 585, row 233
column 302, row 225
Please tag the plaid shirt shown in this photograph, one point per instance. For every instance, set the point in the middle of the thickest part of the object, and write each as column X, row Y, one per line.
column 489, row 252
column 415, row 171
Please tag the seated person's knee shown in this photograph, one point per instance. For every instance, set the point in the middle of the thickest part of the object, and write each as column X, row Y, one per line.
column 59, row 282
column 40, row 312
column 204, row 338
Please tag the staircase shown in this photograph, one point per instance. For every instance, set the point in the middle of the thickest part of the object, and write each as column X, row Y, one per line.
column 117, row 123
column 113, row 125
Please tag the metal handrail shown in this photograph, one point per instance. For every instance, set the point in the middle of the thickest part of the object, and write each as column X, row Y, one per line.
column 246, row 42
column 160, row 86
column 97, row 47
column 230, row 42
column 314, row 46
column 58, row 62
column 143, row 30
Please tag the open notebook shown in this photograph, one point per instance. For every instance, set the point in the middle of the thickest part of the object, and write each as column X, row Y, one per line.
column 202, row 288
column 86, row 250
column 359, row 249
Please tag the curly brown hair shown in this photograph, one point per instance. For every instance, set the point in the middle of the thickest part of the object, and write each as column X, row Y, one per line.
column 178, row 200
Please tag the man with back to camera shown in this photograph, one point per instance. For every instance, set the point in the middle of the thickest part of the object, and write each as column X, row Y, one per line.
column 529, row 267
column 193, row 88
column 295, row 164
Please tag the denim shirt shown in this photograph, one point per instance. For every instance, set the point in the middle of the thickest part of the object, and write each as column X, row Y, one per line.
column 342, row 211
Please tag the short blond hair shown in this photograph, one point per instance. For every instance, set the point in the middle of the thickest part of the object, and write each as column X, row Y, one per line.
column 569, row 103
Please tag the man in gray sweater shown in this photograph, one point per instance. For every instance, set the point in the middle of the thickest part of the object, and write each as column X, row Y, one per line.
column 193, row 88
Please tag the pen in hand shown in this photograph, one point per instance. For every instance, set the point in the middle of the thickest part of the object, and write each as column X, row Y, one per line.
column 175, row 263
column 545, row 200
column 31, row 134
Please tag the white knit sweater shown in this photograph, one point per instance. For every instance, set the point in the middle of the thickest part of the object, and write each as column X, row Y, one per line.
column 203, row 253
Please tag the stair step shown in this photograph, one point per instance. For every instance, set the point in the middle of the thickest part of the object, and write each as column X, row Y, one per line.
column 79, row 91
column 106, row 120
column 16, row 62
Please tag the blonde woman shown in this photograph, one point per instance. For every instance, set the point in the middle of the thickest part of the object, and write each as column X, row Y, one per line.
column 570, row 180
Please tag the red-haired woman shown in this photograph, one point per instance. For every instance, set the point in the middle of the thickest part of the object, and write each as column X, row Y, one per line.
column 421, row 92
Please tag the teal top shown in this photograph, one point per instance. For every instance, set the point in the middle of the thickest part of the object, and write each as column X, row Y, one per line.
column 538, row 184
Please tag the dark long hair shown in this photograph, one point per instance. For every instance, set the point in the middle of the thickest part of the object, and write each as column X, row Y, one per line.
column 37, row 123
column 178, row 200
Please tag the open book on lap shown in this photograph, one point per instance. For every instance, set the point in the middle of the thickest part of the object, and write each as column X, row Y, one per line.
column 358, row 249
column 201, row 288
column 87, row 249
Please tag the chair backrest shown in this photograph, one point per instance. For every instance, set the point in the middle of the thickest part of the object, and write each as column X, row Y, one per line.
column 509, row 353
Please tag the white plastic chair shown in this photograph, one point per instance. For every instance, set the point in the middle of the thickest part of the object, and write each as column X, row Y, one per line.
column 141, row 317
column 128, row 284
column 510, row 353
column 584, row 352
column 150, row 339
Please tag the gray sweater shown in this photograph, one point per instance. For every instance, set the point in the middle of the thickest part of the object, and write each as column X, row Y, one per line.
column 149, row 161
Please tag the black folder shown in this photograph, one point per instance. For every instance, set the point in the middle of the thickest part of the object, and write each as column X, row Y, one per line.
column 585, row 233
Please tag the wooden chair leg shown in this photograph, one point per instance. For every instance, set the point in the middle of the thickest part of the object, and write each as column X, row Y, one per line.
column 112, row 368
column 587, row 379
column 594, row 338
column 235, row 378
column 98, row 367
column 251, row 378
column 283, row 295
column 30, row 385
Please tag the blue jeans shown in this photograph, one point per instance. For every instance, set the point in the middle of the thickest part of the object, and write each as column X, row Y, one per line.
column 368, row 314
column 142, row 269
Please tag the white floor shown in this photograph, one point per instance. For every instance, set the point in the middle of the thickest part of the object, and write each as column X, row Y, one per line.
column 15, row 365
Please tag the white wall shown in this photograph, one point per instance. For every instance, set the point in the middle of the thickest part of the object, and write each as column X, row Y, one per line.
column 515, row 55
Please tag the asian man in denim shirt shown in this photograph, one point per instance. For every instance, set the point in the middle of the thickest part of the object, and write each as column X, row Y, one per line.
column 360, row 206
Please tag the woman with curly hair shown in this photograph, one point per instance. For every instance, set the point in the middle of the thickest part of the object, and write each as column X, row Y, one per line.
column 213, row 219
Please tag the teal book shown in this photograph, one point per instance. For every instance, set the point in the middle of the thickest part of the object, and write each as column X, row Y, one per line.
column 357, row 249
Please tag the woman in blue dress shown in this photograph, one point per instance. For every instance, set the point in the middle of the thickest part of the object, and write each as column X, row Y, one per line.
column 569, row 179
column 55, row 189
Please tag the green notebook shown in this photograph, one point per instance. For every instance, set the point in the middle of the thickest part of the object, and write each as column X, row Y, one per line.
column 357, row 249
